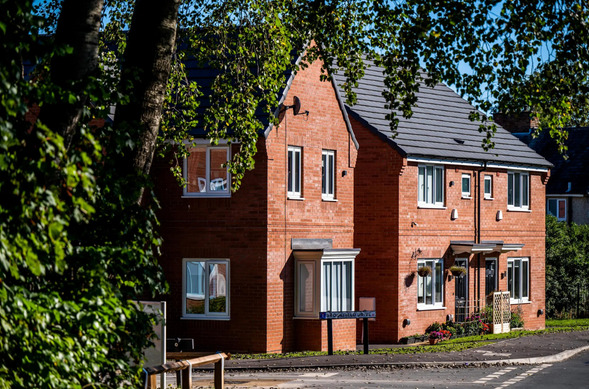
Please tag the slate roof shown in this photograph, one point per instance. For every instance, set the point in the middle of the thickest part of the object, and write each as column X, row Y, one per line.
column 439, row 125
column 575, row 169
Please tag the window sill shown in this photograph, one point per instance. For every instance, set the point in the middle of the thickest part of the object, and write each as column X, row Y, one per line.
column 306, row 317
column 427, row 206
column 295, row 198
column 466, row 197
column 217, row 318
column 488, row 198
column 519, row 302
column 329, row 200
column 509, row 209
column 207, row 196
column 430, row 308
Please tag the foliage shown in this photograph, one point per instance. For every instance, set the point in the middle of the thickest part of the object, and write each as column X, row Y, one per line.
column 567, row 266
column 457, row 271
column 424, row 271
column 76, row 249
column 571, row 323
column 443, row 334
column 474, row 325
column 516, row 320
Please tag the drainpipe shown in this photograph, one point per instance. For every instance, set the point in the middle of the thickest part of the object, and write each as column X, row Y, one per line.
column 478, row 232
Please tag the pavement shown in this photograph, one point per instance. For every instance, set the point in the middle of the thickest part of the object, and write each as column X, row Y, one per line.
column 534, row 349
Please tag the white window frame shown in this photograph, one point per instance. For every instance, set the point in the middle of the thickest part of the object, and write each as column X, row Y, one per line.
column 316, row 294
column 207, row 315
column 558, row 201
column 334, row 300
column 465, row 195
column 488, row 195
column 518, row 184
column 428, row 197
column 328, row 169
column 518, row 273
column 435, row 278
column 294, row 179
column 206, row 185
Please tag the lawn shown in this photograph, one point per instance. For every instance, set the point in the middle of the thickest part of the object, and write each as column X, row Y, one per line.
column 567, row 323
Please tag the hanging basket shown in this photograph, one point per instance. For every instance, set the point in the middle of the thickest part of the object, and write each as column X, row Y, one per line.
column 424, row 271
column 457, row 271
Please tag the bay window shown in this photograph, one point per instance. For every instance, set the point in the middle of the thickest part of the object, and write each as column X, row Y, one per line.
column 324, row 281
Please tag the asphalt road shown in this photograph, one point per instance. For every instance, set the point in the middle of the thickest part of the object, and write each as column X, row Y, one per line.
column 572, row 373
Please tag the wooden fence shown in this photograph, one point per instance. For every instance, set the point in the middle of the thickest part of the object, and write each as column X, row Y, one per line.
column 185, row 368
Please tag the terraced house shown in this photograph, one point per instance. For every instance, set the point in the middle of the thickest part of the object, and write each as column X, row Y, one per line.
column 336, row 210
column 432, row 197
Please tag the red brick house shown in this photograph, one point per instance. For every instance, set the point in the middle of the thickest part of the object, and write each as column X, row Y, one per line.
column 251, row 270
column 432, row 196
column 336, row 210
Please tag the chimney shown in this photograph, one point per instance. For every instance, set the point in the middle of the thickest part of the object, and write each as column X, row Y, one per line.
column 516, row 122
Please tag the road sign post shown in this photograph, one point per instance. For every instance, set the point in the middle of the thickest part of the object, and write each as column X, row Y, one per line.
column 329, row 316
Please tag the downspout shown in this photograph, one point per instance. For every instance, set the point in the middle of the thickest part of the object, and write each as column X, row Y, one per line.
column 478, row 232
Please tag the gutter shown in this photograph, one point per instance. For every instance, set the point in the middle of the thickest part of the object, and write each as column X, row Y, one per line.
column 477, row 236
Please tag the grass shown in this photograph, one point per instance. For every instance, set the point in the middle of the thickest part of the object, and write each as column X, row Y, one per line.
column 452, row 345
column 567, row 323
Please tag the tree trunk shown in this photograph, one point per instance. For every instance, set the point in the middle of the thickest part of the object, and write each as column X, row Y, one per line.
column 145, row 74
column 79, row 28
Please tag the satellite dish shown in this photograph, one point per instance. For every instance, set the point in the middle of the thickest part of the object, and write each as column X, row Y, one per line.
column 297, row 105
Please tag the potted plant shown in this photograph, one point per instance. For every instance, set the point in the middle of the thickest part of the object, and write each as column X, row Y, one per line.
column 424, row 271
column 435, row 337
column 457, row 271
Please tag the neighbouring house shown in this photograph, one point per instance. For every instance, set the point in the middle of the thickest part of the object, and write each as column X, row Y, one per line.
column 251, row 270
column 432, row 197
column 567, row 191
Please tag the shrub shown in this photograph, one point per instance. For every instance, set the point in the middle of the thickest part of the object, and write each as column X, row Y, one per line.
column 435, row 326
column 516, row 320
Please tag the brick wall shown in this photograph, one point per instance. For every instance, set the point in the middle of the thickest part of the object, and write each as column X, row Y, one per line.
column 521, row 122
column 218, row 228
column 323, row 128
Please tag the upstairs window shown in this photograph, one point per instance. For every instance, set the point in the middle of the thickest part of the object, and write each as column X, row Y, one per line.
column 205, row 173
column 328, row 174
column 295, row 158
column 488, row 186
column 466, row 186
column 518, row 190
column 557, row 208
column 430, row 186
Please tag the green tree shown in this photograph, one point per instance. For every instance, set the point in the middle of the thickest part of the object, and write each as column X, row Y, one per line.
column 78, row 235
column 567, row 266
